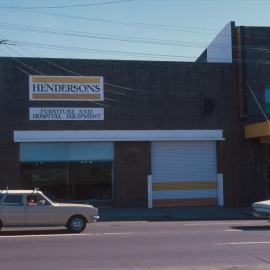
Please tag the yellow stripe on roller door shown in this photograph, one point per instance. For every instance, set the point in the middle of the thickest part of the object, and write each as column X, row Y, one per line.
column 185, row 202
column 184, row 185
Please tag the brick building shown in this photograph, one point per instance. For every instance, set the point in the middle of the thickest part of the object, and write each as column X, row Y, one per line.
column 123, row 132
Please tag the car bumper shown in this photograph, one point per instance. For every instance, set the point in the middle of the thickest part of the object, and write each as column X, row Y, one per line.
column 260, row 214
column 93, row 218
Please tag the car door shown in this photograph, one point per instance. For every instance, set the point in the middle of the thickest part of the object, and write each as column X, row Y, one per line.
column 13, row 210
column 39, row 211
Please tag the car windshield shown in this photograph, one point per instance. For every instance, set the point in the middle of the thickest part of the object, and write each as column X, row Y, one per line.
column 37, row 199
column 46, row 198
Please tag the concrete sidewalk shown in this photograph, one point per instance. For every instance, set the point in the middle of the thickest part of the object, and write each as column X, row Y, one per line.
column 175, row 213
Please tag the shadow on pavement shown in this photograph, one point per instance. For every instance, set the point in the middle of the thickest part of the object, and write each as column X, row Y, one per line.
column 252, row 228
column 33, row 232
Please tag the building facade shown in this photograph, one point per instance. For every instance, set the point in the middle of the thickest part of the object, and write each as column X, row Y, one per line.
column 130, row 133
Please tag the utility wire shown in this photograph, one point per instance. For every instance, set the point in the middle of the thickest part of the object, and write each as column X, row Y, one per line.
column 258, row 103
column 22, row 63
column 78, row 74
column 109, row 84
column 62, row 32
column 106, row 83
column 139, row 24
column 70, row 71
column 53, row 31
column 40, row 73
column 81, row 49
column 94, row 102
column 110, row 107
column 5, row 41
column 132, row 53
column 133, row 24
column 65, row 6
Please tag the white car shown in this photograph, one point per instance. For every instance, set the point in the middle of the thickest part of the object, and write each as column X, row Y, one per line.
column 261, row 209
column 32, row 208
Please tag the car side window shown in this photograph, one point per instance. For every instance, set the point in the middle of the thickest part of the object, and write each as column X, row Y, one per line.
column 1, row 197
column 32, row 200
column 13, row 200
column 36, row 199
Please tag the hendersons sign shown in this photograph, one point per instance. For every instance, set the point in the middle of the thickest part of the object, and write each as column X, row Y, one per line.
column 66, row 114
column 76, row 88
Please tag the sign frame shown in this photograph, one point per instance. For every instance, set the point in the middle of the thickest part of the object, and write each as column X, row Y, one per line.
column 66, row 88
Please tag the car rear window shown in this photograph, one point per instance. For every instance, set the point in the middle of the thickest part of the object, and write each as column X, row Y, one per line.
column 13, row 200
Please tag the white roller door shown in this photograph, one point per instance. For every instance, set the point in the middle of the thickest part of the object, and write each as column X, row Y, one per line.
column 184, row 173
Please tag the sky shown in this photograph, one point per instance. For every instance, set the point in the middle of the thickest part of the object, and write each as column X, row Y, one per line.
column 155, row 30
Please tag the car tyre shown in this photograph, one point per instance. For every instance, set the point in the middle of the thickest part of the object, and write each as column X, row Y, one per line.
column 76, row 224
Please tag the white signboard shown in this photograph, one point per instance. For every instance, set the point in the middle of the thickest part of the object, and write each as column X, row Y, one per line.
column 53, row 114
column 75, row 88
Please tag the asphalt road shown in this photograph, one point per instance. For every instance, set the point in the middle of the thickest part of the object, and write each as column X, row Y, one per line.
column 140, row 245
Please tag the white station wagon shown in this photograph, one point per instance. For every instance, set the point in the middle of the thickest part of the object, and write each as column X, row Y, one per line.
column 33, row 208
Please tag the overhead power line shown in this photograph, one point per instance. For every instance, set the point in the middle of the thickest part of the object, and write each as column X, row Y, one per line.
column 132, row 53
column 40, row 73
column 134, row 24
column 81, row 49
column 62, row 68
column 131, row 91
column 5, row 42
column 258, row 103
column 73, row 72
column 66, row 6
column 113, row 85
column 62, row 32
column 124, row 109
column 200, row 30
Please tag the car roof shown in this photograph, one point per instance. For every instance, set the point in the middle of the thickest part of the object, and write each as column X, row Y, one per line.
column 18, row 191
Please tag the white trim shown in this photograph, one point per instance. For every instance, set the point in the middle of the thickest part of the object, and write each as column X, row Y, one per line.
column 116, row 135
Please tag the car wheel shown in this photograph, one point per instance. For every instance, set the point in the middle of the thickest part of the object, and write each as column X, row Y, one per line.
column 76, row 224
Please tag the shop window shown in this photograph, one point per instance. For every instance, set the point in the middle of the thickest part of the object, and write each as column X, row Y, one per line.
column 70, row 181
column 78, row 171
column 50, row 177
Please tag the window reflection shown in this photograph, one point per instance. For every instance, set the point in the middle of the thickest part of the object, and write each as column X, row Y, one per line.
column 72, row 180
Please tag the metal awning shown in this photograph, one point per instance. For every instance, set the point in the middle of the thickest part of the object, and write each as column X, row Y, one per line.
column 258, row 130
column 116, row 135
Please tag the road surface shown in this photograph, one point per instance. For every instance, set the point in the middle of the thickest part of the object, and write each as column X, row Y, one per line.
column 139, row 245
